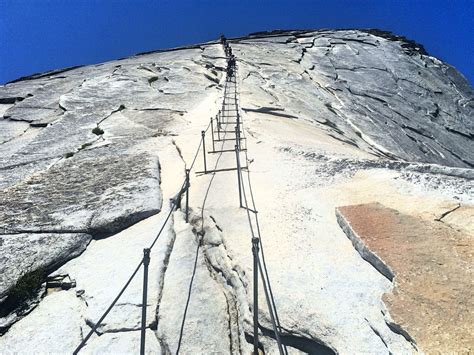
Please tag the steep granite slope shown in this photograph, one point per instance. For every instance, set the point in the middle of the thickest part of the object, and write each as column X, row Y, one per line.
column 382, row 95
column 90, row 157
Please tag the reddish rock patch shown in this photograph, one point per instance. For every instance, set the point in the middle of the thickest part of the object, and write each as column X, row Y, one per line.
column 433, row 298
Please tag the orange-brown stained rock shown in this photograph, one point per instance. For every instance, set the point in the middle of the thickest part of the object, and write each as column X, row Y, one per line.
column 433, row 298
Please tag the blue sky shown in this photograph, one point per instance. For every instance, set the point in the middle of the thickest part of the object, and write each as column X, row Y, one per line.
column 39, row 35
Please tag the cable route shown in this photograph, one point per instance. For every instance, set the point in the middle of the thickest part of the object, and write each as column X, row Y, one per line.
column 228, row 115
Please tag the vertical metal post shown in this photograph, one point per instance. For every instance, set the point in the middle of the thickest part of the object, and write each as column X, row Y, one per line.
column 187, row 195
column 177, row 202
column 223, row 103
column 146, row 262
column 255, row 251
column 212, row 133
column 238, row 173
column 223, row 114
column 203, row 134
column 219, row 125
column 237, row 137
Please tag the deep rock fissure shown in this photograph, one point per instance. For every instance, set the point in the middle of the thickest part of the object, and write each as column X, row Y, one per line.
column 397, row 329
column 302, row 343
column 377, row 333
column 161, row 285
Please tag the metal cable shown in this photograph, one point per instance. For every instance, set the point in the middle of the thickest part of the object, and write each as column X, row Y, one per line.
column 260, row 237
column 188, row 299
column 200, row 234
column 261, row 247
column 172, row 208
column 96, row 325
column 266, row 280
column 265, row 288
column 198, row 148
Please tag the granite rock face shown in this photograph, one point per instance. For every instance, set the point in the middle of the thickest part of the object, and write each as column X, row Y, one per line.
column 60, row 313
column 68, row 168
column 99, row 194
column 23, row 253
column 90, row 157
column 366, row 90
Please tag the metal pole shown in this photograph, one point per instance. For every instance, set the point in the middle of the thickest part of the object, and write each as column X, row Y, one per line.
column 223, row 112
column 237, row 136
column 238, row 173
column 177, row 201
column 212, row 133
column 219, row 125
column 223, row 102
column 146, row 262
column 270, row 310
column 203, row 133
column 187, row 195
column 255, row 294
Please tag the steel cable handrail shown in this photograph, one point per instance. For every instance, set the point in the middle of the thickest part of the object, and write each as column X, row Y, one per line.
column 173, row 205
column 200, row 234
column 260, row 236
column 265, row 278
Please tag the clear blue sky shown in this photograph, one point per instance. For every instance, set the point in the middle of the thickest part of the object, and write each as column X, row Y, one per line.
column 46, row 34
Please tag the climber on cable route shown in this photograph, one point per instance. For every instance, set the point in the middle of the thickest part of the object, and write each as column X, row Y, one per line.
column 223, row 40
column 230, row 67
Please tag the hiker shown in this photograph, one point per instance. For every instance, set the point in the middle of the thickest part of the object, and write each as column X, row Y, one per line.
column 230, row 72
column 231, row 62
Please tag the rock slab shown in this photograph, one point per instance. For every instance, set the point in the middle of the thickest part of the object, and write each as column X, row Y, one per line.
column 433, row 296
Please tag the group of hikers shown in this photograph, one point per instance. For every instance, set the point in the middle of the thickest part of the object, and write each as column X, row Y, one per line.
column 230, row 58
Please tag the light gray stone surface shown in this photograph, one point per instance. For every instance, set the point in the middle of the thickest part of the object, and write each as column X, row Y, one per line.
column 204, row 316
column 23, row 253
column 123, row 343
column 58, row 175
column 99, row 288
column 99, row 195
column 367, row 89
column 320, row 109
column 59, row 313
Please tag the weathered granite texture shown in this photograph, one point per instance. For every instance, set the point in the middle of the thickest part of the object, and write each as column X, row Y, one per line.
column 68, row 169
column 331, row 118
column 377, row 92
column 96, row 194
column 23, row 253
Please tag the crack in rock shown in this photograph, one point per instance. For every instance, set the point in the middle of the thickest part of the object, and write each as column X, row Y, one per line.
column 444, row 214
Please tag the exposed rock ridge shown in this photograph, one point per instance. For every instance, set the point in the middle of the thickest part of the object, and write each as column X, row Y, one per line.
column 377, row 91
